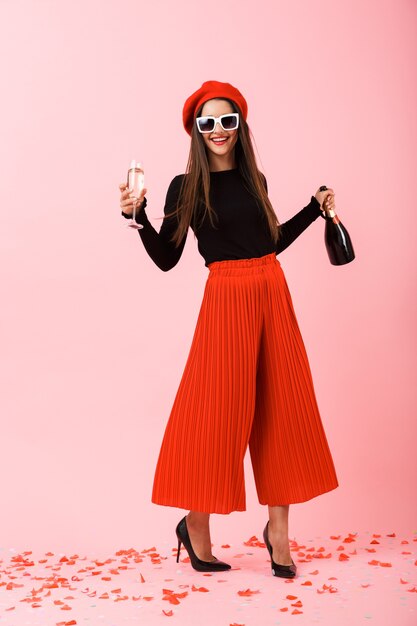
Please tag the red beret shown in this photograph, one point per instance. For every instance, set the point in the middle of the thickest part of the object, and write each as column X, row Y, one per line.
column 210, row 89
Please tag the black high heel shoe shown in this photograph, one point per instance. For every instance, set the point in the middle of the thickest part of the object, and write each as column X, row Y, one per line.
column 201, row 566
column 285, row 571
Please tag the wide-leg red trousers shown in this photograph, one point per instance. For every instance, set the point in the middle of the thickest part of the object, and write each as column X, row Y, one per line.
column 247, row 381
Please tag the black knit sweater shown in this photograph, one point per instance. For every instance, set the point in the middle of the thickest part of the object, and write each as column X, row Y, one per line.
column 242, row 231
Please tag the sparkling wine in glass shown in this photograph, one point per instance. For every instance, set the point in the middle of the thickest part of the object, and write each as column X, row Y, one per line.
column 135, row 182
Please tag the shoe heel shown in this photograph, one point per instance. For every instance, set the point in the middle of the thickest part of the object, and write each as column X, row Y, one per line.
column 285, row 571
column 179, row 548
column 199, row 565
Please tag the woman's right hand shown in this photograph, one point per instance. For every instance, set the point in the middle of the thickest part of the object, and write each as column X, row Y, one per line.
column 127, row 198
column 326, row 199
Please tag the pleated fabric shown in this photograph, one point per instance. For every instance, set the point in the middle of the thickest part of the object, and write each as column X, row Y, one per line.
column 246, row 381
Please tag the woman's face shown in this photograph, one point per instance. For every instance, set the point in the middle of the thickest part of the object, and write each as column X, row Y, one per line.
column 224, row 150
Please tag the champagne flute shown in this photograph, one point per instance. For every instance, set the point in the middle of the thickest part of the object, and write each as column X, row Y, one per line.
column 135, row 182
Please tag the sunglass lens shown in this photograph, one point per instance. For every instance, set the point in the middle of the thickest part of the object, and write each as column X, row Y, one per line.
column 229, row 122
column 205, row 124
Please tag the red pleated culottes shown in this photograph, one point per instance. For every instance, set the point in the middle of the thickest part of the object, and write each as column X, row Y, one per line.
column 247, row 381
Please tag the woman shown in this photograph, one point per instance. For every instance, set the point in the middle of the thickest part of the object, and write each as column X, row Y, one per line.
column 247, row 379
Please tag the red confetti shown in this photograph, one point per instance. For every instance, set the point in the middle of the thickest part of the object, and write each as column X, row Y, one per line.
column 328, row 588
column 16, row 567
column 172, row 597
column 248, row 592
column 254, row 542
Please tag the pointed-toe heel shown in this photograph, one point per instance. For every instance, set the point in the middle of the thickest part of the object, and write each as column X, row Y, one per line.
column 201, row 566
column 284, row 571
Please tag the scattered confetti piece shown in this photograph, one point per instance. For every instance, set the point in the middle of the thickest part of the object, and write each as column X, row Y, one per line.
column 247, row 592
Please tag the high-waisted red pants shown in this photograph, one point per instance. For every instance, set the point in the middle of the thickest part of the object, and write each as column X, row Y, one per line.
column 247, row 380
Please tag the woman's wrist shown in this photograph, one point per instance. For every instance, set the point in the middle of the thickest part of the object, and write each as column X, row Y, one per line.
column 140, row 216
column 318, row 206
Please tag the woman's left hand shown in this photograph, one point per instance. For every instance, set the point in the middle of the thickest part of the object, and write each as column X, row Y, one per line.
column 326, row 199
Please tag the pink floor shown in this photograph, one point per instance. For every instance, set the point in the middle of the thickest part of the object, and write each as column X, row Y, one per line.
column 355, row 579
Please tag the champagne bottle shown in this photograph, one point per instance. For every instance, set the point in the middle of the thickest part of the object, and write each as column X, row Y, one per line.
column 336, row 237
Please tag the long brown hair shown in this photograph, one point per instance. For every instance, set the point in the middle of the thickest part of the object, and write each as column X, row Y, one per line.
column 195, row 186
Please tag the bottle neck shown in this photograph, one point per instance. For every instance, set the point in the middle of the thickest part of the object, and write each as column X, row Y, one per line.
column 331, row 216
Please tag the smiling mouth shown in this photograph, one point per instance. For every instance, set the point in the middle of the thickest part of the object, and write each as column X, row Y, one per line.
column 219, row 141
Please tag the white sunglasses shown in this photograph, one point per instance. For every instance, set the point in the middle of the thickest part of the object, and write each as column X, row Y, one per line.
column 228, row 121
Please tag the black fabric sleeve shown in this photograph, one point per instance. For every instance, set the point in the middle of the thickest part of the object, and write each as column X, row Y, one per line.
column 157, row 244
column 293, row 228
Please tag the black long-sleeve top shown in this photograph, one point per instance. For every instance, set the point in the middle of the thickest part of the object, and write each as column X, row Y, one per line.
column 242, row 230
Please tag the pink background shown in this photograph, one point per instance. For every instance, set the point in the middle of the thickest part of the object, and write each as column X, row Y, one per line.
column 94, row 337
